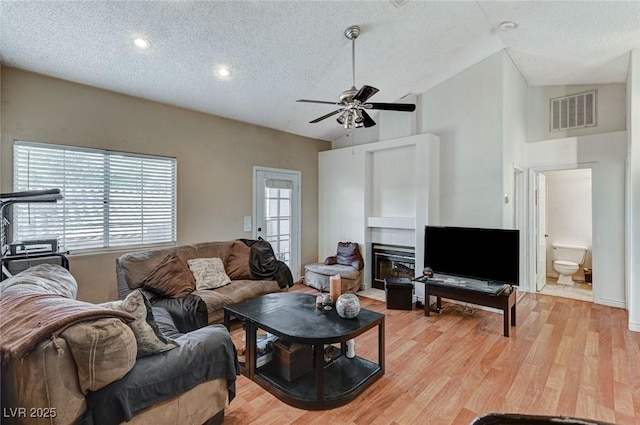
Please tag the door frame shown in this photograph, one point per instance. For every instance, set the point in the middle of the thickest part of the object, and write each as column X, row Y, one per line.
column 296, row 226
column 540, row 199
column 520, row 217
column 533, row 215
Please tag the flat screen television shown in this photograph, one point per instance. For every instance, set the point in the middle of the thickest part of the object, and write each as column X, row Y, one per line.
column 485, row 254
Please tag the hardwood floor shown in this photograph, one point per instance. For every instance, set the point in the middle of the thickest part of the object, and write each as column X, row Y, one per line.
column 565, row 357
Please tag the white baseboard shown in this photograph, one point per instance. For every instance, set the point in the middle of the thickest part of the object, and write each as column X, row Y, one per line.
column 612, row 303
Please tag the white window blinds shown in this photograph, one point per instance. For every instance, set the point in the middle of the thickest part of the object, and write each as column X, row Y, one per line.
column 111, row 199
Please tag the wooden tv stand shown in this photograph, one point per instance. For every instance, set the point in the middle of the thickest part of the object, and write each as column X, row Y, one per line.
column 505, row 301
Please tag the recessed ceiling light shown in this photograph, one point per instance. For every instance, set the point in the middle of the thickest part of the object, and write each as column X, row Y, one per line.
column 398, row 3
column 223, row 71
column 507, row 26
column 141, row 43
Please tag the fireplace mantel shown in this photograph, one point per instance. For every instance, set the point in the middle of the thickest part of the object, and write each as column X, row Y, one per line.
column 392, row 222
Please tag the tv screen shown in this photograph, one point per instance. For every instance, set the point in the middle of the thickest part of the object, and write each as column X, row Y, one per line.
column 486, row 254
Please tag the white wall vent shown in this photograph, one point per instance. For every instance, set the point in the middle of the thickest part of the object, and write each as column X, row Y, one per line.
column 573, row 111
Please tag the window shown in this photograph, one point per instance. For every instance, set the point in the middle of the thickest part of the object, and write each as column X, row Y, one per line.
column 277, row 196
column 111, row 199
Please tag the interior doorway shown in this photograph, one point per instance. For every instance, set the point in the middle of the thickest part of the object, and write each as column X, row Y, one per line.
column 276, row 215
column 563, row 212
column 541, row 223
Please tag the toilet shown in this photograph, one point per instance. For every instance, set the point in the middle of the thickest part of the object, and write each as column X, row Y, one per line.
column 567, row 260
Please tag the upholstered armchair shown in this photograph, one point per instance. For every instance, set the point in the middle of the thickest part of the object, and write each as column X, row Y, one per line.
column 348, row 263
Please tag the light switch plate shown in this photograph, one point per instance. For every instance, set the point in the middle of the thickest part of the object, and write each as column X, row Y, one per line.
column 247, row 223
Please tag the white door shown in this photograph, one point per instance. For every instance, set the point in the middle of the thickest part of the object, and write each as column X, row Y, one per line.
column 541, row 209
column 277, row 213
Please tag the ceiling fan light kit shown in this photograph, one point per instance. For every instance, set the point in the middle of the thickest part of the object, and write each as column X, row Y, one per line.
column 353, row 102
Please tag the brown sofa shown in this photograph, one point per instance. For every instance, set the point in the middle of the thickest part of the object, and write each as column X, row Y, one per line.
column 87, row 371
column 133, row 269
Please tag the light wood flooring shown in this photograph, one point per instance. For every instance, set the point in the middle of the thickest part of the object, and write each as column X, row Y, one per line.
column 565, row 357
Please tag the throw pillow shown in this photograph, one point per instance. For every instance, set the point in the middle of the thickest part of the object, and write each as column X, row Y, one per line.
column 349, row 255
column 330, row 261
column 149, row 338
column 237, row 266
column 170, row 278
column 104, row 351
column 208, row 272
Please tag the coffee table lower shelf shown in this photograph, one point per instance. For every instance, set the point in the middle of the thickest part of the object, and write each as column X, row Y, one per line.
column 344, row 379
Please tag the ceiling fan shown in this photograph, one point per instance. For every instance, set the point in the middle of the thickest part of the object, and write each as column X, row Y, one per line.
column 353, row 102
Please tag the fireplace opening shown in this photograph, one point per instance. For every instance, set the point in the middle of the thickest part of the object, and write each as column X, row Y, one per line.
column 391, row 261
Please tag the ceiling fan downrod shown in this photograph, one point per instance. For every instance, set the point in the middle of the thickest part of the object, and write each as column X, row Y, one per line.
column 352, row 33
column 350, row 116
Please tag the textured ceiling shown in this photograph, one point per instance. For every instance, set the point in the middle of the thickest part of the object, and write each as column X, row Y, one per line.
column 280, row 51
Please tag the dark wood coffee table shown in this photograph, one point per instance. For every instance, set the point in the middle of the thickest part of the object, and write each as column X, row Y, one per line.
column 293, row 317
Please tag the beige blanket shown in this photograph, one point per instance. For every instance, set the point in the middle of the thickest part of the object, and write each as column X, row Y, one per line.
column 28, row 319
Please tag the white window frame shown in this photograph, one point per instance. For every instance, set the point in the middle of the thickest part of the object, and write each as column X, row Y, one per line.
column 113, row 201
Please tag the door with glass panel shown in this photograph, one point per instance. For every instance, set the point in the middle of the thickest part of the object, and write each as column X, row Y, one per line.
column 277, row 213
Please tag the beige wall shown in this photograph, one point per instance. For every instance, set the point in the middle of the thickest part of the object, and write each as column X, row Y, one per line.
column 215, row 158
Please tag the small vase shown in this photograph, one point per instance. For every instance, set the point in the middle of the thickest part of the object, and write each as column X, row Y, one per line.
column 348, row 306
column 327, row 301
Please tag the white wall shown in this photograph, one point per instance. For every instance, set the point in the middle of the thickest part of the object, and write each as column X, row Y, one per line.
column 633, row 191
column 341, row 200
column 358, row 136
column 480, row 116
column 515, row 92
column 605, row 154
column 393, row 191
column 394, row 124
column 349, row 209
column 610, row 107
column 569, row 213
column 466, row 113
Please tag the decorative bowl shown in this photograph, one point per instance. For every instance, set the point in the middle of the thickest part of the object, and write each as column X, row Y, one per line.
column 348, row 306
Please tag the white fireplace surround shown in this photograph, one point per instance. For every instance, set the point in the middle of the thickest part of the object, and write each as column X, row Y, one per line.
column 393, row 236
column 384, row 192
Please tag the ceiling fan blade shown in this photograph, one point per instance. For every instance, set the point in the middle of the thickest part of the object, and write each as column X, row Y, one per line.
column 367, row 120
column 318, row 101
column 402, row 107
column 365, row 93
column 325, row 116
